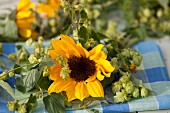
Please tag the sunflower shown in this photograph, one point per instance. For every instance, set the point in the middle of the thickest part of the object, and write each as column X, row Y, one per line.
column 50, row 8
column 88, row 68
column 24, row 18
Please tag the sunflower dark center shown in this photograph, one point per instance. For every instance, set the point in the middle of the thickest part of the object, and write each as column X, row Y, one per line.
column 81, row 68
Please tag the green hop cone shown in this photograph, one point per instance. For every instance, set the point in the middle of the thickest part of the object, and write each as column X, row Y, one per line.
column 129, row 87
column 12, row 105
column 120, row 97
column 22, row 108
column 135, row 93
column 40, row 40
column 23, row 55
column 144, row 92
column 116, row 87
column 32, row 59
column 124, row 79
column 45, row 71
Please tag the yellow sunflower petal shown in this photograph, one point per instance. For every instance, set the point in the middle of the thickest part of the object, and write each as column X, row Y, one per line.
column 46, row 9
column 95, row 89
column 71, row 49
column 95, row 52
column 105, row 64
column 57, row 44
column 55, row 72
column 55, row 53
column 52, row 88
column 82, row 51
column 107, row 74
column 23, row 14
column 26, row 33
column 92, row 78
column 68, row 39
column 99, row 75
column 71, row 95
column 54, row 3
column 60, row 86
column 81, row 91
column 23, row 4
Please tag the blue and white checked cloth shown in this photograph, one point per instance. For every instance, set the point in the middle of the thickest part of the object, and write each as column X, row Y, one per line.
column 152, row 72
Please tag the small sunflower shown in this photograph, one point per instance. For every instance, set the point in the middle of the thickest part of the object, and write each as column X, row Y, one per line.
column 25, row 18
column 87, row 69
column 50, row 8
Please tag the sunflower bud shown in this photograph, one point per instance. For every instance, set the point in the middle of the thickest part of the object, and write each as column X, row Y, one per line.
column 4, row 75
column 1, row 48
column 12, row 105
column 11, row 73
column 116, row 87
column 32, row 59
column 136, row 93
column 29, row 42
column 12, row 56
column 144, row 92
column 22, row 108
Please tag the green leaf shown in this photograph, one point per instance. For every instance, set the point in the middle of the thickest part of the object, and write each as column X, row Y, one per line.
column 11, row 30
column 27, row 82
column 136, row 81
column 83, row 14
column 93, row 35
column 164, row 3
column 47, row 61
column 8, row 88
column 19, row 85
column 54, row 103
column 107, row 81
column 83, row 34
column 30, row 79
column 65, row 30
column 17, row 71
column 44, row 82
column 31, row 104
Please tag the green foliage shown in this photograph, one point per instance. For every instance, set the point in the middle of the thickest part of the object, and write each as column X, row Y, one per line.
column 8, row 88
column 83, row 34
column 54, row 103
column 65, row 30
column 47, row 61
column 27, row 82
column 44, row 83
column 31, row 104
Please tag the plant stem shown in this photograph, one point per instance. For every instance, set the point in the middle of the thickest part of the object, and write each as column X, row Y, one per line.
column 20, row 67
